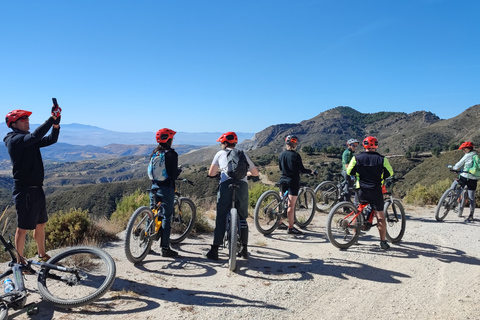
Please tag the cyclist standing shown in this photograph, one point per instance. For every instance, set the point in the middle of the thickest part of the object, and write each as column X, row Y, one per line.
column 466, row 178
column 163, row 185
column 228, row 142
column 347, row 156
column 371, row 168
column 28, row 174
column 291, row 165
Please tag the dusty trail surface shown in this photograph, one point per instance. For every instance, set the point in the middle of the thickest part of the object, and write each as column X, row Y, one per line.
column 434, row 273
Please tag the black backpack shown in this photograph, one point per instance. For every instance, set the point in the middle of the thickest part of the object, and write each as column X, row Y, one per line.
column 237, row 164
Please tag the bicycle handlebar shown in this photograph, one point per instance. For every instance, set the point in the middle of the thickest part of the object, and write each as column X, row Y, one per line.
column 190, row 182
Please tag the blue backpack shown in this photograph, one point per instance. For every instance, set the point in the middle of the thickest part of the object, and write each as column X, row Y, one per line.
column 157, row 170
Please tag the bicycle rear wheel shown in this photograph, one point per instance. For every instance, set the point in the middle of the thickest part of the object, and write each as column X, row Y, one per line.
column 94, row 275
column 232, row 243
column 395, row 220
column 326, row 196
column 267, row 212
column 305, row 207
column 183, row 220
column 445, row 204
column 343, row 225
column 138, row 240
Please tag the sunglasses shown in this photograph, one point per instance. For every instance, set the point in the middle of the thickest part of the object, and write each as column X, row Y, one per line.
column 23, row 119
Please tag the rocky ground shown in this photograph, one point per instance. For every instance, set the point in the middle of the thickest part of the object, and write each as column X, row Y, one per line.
column 434, row 273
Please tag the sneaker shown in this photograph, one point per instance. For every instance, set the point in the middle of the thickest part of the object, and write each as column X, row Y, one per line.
column 45, row 258
column 384, row 245
column 244, row 252
column 294, row 231
column 213, row 253
column 169, row 253
column 282, row 226
column 469, row 219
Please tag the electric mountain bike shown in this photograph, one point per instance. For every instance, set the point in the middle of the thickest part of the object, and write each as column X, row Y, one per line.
column 145, row 225
column 345, row 221
column 451, row 200
column 70, row 279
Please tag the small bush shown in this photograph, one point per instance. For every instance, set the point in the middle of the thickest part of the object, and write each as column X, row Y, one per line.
column 255, row 192
column 422, row 195
column 65, row 229
column 127, row 205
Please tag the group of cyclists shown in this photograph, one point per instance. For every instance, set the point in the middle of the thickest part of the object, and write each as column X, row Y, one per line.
column 365, row 172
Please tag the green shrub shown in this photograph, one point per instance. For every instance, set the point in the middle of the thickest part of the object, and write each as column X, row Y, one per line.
column 66, row 229
column 127, row 205
column 255, row 192
column 422, row 195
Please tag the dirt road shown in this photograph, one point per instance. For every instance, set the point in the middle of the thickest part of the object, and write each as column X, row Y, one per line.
column 434, row 273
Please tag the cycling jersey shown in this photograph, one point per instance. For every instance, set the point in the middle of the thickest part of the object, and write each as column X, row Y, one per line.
column 370, row 168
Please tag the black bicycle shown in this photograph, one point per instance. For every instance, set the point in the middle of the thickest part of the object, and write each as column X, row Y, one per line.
column 233, row 235
column 70, row 279
column 329, row 193
column 145, row 225
column 452, row 200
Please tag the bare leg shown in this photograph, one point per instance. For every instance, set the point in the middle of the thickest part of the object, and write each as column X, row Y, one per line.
column 39, row 236
column 291, row 210
column 381, row 225
column 20, row 236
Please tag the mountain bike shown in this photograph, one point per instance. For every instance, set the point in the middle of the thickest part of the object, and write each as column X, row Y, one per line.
column 452, row 199
column 233, row 235
column 271, row 208
column 345, row 221
column 70, row 279
column 145, row 225
column 328, row 193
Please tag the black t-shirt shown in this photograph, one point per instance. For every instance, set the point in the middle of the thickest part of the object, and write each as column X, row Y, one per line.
column 290, row 163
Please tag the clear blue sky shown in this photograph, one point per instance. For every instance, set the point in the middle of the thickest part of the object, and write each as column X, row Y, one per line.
column 206, row 66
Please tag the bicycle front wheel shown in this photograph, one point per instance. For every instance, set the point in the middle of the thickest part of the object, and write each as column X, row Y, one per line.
column 326, row 196
column 305, row 207
column 183, row 220
column 232, row 243
column 138, row 238
column 445, row 204
column 343, row 225
column 267, row 212
column 395, row 220
column 94, row 274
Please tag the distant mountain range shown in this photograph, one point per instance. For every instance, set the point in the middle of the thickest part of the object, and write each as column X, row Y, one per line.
column 82, row 142
column 82, row 135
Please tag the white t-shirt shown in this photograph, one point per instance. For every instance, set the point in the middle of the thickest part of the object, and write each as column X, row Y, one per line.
column 221, row 161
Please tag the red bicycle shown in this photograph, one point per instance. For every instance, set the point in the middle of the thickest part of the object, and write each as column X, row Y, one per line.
column 345, row 221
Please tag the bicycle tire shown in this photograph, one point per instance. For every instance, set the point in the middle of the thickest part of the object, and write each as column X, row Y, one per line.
column 233, row 240
column 326, row 196
column 445, row 204
column 305, row 207
column 268, row 212
column 138, row 241
column 395, row 220
column 183, row 221
column 340, row 224
column 97, row 274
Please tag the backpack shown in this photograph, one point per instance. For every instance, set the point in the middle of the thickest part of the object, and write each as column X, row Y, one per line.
column 156, row 168
column 237, row 164
column 475, row 168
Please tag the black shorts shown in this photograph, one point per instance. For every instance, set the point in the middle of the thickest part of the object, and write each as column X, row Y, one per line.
column 291, row 187
column 31, row 207
column 372, row 196
column 470, row 183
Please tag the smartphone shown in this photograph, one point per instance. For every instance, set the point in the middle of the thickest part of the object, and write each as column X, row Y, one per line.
column 55, row 102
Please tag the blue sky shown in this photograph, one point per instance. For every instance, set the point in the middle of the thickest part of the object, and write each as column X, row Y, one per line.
column 209, row 66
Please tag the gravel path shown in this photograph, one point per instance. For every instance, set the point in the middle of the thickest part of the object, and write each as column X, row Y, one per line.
column 432, row 274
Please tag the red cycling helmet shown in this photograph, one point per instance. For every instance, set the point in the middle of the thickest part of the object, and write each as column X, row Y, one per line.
column 163, row 135
column 230, row 137
column 291, row 140
column 370, row 143
column 14, row 115
column 466, row 144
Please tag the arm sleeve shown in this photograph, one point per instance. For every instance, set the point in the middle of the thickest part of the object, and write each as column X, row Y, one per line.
column 351, row 170
column 37, row 135
column 459, row 165
column 171, row 163
column 300, row 166
column 387, row 169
